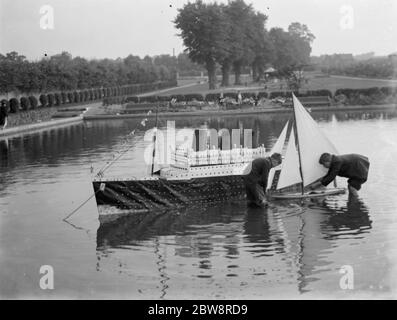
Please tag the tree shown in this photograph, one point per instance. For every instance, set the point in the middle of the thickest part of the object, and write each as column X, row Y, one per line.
column 203, row 30
column 240, row 38
column 262, row 46
column 301, row 31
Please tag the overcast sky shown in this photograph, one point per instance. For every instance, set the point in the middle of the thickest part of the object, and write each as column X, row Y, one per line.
column 117, row 28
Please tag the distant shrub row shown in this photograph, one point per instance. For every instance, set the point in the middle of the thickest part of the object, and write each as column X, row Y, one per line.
column 14, row 105
column 195, row 97
column 367, row 96
column 386, row 91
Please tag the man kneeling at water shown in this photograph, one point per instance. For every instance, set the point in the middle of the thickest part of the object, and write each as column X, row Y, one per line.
column 352, row 166
column 256, row 180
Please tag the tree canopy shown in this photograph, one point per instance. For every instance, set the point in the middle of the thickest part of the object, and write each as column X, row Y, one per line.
column 63, row 72
column 234, row 36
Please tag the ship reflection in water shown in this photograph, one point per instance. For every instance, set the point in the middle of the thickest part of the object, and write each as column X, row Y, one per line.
column 287, row 244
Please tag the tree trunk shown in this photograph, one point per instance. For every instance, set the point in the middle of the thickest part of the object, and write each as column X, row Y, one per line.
column 211, row 69
column 237, row 72
column 225, row 74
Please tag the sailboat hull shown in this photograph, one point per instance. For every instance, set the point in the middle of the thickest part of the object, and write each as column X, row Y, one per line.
column 312, row 194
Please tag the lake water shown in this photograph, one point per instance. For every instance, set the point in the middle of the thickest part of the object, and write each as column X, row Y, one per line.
column 289, row 250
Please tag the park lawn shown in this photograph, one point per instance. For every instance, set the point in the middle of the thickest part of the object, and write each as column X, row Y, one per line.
column 316, row 81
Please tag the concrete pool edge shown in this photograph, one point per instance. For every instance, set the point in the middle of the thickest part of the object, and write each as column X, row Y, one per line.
column 29, row 128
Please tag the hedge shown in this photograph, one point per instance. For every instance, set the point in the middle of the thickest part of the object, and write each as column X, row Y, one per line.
column 70, row 97
column 249, row 95
column 232, row 95
column 194, row 96
column 149, row 99
column 25, row 103
column 43, row 100
column 33, row 102
column 14, row 105
column 164, row 98
column 58, row 99
column 7, row 103
column 276, row 94
column 64, row 97
column 51, row 100
column 212, row 96
column 262, row 94
column 76, row 96
column 134, row 99
column 178, row 97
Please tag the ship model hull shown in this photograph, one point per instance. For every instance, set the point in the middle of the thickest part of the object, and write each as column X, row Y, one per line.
column 160, row 194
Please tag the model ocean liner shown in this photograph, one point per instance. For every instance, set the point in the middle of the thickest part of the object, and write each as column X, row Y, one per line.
column 210, row 174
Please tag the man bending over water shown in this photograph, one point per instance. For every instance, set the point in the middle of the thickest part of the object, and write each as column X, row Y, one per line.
column 256, row 180
column 352, row 166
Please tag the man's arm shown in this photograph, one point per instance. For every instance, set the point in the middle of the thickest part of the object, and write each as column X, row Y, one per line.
column 332, row 173
column 264, row 178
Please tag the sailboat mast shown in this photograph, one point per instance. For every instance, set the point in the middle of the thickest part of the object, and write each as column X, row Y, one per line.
column 297, row 142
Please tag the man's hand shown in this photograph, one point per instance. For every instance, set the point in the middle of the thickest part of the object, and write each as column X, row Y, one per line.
column 315, row 185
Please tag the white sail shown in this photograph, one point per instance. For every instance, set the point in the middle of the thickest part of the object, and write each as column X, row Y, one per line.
column 290, row 174
column 277, row 148
column 312, row 143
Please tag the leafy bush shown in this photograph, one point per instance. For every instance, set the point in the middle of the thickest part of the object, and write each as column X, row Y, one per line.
column 43, row 100
column 194, row 96
column 70, row 97
column 81, row 96
column 6, row 102
column 232, row 95
column 86, row 95
column 99, row 93
column 178, row 97
column 321, row 92
column 212, row 96
column 134, row 99
column 388, row 91
column 76, row 97
column 64, row 97
column 14, row 105
column 150, row 99
column 276, row 94
column 263, row 94
column 163, row 98
column 51, row 100
column 25, row 104
column 58, row 99
column 33, row 102
column 248, row 95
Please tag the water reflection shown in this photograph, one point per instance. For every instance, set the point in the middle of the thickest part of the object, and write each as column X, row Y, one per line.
column 296, row 235
column 228, row 251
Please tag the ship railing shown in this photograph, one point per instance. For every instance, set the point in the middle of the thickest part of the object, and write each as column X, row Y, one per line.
column 184, row 158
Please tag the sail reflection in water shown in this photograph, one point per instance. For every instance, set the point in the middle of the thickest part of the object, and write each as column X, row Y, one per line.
column 285, row 244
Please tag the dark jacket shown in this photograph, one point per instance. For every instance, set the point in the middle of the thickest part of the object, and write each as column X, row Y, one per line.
column 352, row 166
column 259, row 172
